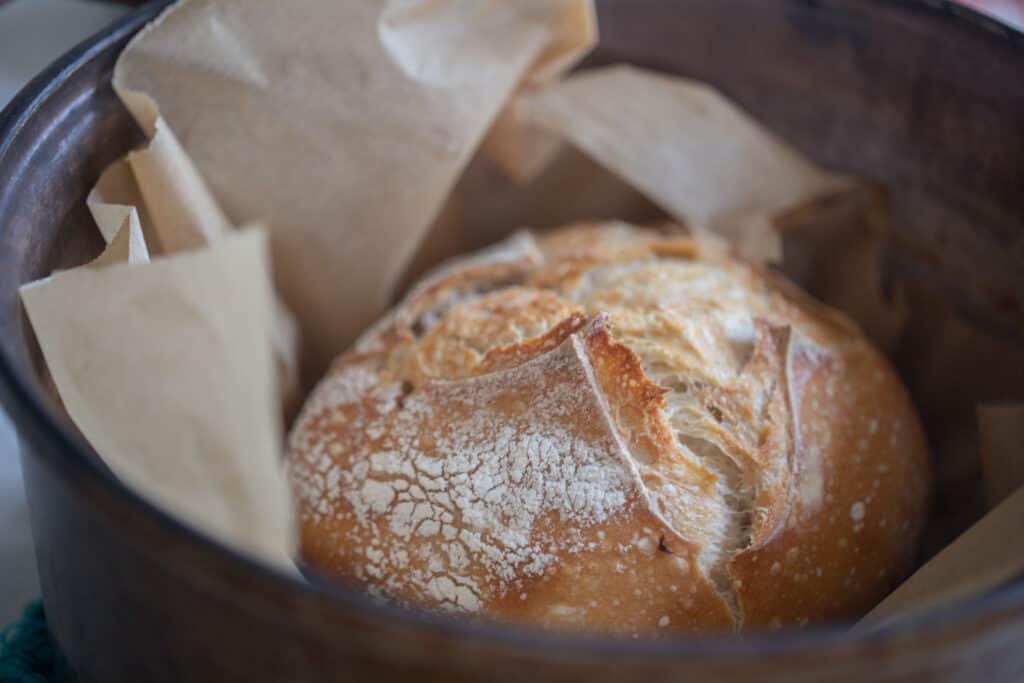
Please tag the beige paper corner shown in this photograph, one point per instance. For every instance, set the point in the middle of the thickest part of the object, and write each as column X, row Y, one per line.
column 518, row 148
column 987, row 555
column 714, row 168
column 984, row 557
column 187, row 418
column 127, row 245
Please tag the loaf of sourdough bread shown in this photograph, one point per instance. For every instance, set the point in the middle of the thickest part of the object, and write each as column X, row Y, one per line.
column 610, row 429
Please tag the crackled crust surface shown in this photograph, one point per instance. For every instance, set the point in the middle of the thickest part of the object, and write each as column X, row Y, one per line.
column 610, row 429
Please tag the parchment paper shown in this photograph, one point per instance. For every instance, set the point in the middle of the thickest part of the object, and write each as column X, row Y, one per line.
column 712, row 167
column 342, row 125
column 971, row 565
column 188, row 416
column 159, row 187
column 127, row 245
column 987, row 555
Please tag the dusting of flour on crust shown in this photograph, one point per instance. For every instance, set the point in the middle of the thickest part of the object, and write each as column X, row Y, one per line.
column 480, row 472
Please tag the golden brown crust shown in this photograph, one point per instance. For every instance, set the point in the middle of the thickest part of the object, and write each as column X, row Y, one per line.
column 611, row 429
column 840, row 559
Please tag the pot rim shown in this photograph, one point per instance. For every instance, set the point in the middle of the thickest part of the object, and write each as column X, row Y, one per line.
column 31, row 413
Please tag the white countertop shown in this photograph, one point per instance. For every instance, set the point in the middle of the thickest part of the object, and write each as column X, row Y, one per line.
column 32, row 34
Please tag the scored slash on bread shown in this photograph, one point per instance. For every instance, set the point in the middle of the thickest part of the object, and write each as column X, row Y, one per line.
column 613, row 430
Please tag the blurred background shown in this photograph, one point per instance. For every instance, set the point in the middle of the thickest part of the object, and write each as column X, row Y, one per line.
column 1010, row 11
column 32, row 34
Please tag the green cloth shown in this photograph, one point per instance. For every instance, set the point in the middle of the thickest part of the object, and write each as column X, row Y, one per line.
column 28, row 652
